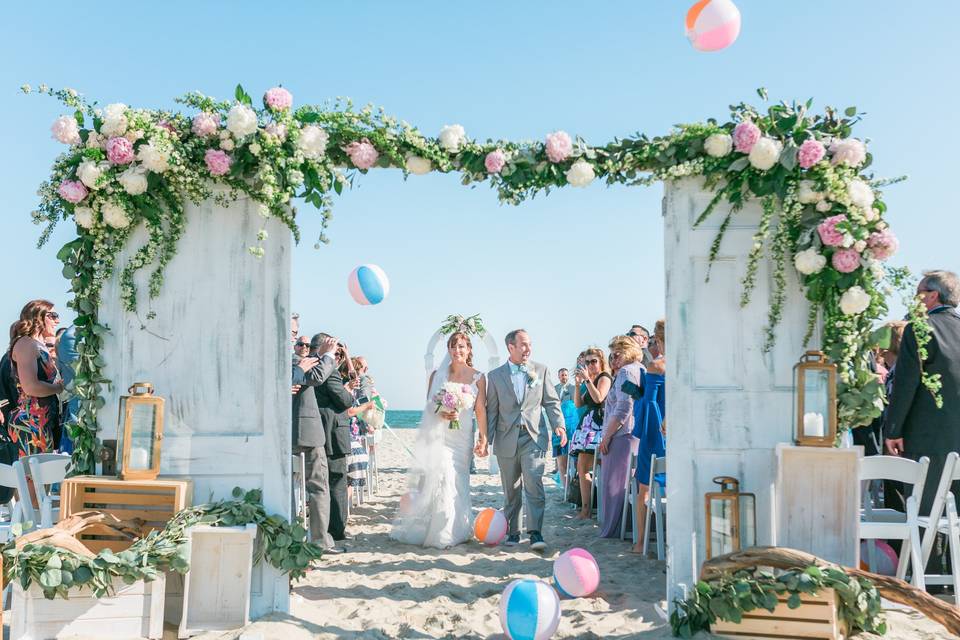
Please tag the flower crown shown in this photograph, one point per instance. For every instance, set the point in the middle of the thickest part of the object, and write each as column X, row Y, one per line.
column 471, row 326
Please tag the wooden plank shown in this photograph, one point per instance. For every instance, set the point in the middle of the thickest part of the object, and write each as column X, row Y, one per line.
column 166, row 498
column 777, row 627
column 816, row 617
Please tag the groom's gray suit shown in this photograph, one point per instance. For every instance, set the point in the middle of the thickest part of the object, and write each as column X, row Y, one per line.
column 519, row 435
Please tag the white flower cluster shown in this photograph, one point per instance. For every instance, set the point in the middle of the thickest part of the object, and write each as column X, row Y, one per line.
column 718, row 145
column 765, row 153
column 241, row 121
column 114, row 120
column 418, row 166
column 809, row 261
column 854, row 301
column 580, row 173
column 452, row 137
column 313, row 142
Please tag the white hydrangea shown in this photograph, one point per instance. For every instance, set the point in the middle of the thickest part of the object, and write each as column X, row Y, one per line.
column 809, row 261
column 452, row 137
column 153, row 158
column 718, row 145
column 115, row 216
column 417, row 165
column 860, row 194
column 765, row 153
column 807, row 193
column 89, row 172
column 854, row 301
column 580, row 174
column 241, row 120
column 313, row 142
column 134, row 180
column 114, row 120
column 84, row 217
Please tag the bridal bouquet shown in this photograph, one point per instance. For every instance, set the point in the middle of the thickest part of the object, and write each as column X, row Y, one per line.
column 455, row 397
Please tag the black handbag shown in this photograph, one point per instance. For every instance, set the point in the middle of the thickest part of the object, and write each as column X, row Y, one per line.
column 573, row 490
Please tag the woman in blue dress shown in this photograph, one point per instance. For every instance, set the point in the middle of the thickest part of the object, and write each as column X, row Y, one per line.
column 649, row 412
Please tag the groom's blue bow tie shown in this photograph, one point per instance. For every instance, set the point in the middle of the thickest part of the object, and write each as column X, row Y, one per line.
column 517, row 368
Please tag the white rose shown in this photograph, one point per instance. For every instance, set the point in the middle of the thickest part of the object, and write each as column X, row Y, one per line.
column 806, row 193
column 153, row 158
column 848, row 151
column 860, row 245
column 89, row 172
column 809, row 261
column 452, row 137
column 765, row 153
column 241, row 120
column 114, row 120
column 227, row 144
column 313, row 142
column 133, row 180
column 854, row 301
column 254, row 148
column 115, row 216
column 84, row 217
column 824, row 205
column 418, row 166
column 860, row 194
column 718, row 145
column 580, row 174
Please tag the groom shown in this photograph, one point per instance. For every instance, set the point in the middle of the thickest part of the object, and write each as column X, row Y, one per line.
column 520, row 397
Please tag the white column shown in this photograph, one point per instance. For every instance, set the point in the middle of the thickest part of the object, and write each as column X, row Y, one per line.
column 219, row 351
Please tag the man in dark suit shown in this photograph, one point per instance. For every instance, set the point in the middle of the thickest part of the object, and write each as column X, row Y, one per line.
column 914, row 426
column 309, row 437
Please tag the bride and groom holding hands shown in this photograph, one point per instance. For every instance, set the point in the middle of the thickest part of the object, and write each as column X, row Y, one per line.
column 516, row 407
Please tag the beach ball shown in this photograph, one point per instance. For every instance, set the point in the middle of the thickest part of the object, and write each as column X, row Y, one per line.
column 713, row 25
column 529, row 610
column 406, row 502
column 575, row 573
column 368, row 284
column 885, row 556
column 490, row 527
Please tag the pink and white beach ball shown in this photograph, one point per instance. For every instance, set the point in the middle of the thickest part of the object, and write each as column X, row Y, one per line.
column 713, row 25
column 529, row 610
column 368, row 284
column 576, row 573
column 490, row 527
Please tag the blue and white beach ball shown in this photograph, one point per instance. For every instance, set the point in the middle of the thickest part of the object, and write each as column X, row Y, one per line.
column 529, row 610
column 368, row 284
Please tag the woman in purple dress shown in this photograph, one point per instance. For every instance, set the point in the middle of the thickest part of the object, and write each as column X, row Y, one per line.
column 618, row 442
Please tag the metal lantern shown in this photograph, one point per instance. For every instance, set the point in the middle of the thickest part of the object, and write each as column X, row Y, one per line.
column 139, row 432
column 731, row 518
column 815, row 400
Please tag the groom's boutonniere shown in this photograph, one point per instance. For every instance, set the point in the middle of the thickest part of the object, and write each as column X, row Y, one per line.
column 532, row 379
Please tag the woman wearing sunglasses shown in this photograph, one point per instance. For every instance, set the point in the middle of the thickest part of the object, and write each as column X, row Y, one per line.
column 593, row 385
column 35, row 423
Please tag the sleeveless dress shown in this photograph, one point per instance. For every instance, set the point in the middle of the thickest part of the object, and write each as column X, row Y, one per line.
column 648, row 413
column 436, row 511
column 589, row 432
column 35, row 420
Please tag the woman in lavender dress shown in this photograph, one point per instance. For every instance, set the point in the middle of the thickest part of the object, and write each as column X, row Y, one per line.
column 618, row 441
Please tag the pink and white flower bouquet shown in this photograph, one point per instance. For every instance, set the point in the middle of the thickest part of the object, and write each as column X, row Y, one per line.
column 455, row 397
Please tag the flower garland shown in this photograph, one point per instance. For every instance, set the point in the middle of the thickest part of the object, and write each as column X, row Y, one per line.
column 472, row 325
column 125, row 167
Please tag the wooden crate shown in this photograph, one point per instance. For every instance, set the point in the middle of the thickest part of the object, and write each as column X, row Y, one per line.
column 816, row 617
column 152, row 501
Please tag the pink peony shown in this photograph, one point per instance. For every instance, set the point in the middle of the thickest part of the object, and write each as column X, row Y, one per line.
column 66, row 130
column 465, row 388
column 883, row 244
column 72, row 191
column 848, row 151
column 449, row 400
column 205, row 124
column 119, row 150
column 218, row 161
column 559, row 146
column 278, row 99
column 745, row 135
column 828, row 231
column 169, row 126
column 811, row 152
column 845, row 260
column 495, row 161
column 362, row 154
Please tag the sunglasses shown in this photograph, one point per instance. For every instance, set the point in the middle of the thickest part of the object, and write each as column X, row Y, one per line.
column 53, row 315
column 302, row 344
column 591, row 361
column 637, row 335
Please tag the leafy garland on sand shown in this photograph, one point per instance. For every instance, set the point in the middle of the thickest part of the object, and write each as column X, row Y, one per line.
column 56, row 570
column 729, row 596
column 128, row 167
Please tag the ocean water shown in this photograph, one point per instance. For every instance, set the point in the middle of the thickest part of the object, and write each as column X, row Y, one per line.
column 403, row 419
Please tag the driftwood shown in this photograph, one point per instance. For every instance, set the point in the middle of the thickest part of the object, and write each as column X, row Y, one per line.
column 890, row 588
column 64, row 533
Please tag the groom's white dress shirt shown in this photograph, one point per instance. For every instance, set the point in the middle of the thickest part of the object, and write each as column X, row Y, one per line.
column 519, row 378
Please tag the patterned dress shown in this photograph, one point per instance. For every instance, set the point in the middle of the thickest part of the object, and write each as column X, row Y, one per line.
column 35, row 419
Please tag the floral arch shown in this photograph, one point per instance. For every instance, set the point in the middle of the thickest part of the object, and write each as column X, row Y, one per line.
column 125, row 167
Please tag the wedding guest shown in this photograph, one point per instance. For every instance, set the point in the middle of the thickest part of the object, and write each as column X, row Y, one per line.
column 594, row 382
column 357, row 459
column 294, row 327
column 8, row 389
column 565, row 391
column 648, row 426
column 618, row 442
column 640, row 334
column 67, row 355
column 35, row 419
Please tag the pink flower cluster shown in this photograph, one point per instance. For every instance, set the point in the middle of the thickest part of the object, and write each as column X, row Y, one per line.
column 845, row 260
column 72, row 191
column 218, row 161
column 119, row 150
column 829, row 234
column 495, row 161
column 745, row 135
column 278, row 99
column 205, row 124
column 883, row 244
column 559, row 146
column 810, row 153
column 362, row 154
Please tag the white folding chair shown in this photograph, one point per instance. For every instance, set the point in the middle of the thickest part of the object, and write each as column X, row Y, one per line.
column 368, row 485
column 298, row 465
column 31, row 517
column 656, row 506
column 46, row 470
column 949, row 524
column 887, row 524
column 629, row 499
column 373, row 469
column 8, row 478
column 595, row 485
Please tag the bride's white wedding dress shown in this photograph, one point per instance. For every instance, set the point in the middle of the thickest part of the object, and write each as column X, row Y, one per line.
column 436, row 512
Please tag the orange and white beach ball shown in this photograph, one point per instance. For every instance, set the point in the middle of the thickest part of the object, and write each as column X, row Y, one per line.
column 490, row 527
column 713, row 25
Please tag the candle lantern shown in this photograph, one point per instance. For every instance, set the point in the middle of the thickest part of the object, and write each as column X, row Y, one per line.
column 139, row 432
column 731, row 518
column 815, row 400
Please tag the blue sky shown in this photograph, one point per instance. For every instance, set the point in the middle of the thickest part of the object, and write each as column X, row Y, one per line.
column 575, row 267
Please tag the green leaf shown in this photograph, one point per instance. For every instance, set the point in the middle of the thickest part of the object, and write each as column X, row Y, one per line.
column 50, row 579
column 850, row 112
column 793, row 601
column 739, row 164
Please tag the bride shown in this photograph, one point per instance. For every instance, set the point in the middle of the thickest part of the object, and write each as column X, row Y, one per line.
column 436, row 511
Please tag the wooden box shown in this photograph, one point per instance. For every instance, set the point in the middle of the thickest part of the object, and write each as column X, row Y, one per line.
column 152, row 501
column 816, row 617
column 134, row 611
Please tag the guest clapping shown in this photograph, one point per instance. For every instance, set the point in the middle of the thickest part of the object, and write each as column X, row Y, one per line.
column 593, row 385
